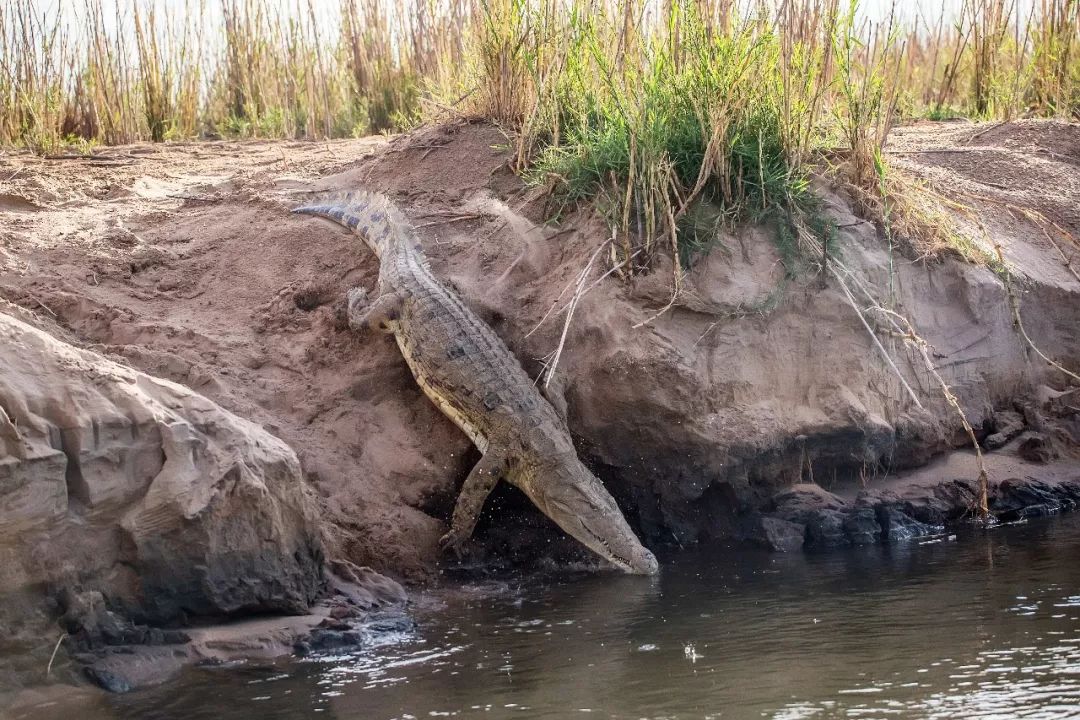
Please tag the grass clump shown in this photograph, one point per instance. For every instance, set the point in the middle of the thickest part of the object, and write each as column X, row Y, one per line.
column 652, row 116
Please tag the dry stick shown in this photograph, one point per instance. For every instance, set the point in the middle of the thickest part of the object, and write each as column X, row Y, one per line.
column 615, row 268
column 56, row 648
column 578, row 292
column 661, row 311
column 447, row 221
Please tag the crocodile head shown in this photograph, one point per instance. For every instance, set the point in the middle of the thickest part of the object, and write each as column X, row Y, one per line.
column 580, row 504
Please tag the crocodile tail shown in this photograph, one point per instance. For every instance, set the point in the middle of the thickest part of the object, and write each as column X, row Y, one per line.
column 370, row 215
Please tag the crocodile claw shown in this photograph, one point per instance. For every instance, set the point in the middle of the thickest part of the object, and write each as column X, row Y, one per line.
column 355, row 301
column 452, row 543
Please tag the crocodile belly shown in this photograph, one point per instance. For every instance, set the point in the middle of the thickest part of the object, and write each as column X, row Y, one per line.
column 440, row 396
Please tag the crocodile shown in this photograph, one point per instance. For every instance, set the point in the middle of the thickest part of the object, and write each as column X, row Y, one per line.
column 469, row 374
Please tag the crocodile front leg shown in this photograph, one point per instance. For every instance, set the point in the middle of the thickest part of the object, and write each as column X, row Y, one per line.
column 481, row 481
column 379, row 315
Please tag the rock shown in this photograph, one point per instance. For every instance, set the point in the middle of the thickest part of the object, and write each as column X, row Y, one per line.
column 1035, row 447
column 896, row 515
column 801, row 502
column 108, row 680
column 898, row 526
column 959, row 495
column 1007, row 425
column 366, row 588
column 861, row 526
column 340, row 612
column 777, row 534
column 928, row 508
column 324, row 639
column 394, row 622
column 139, row 500
column 1016, row 498
column 825, row 529
column 121, row 670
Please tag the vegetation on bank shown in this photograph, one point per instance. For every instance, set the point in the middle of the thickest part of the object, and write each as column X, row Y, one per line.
column 644, row 106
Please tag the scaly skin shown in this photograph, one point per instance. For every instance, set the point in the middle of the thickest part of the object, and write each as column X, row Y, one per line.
column 467, row 371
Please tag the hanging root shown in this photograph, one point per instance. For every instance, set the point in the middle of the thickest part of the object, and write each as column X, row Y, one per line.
column 903, row 328
column 579, row 290
column 983, row 500
column 1014, row 304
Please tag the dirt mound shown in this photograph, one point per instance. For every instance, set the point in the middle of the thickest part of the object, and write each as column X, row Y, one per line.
column 695, row 419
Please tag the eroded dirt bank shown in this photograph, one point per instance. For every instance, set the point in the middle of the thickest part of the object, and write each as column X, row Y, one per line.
column 718, row 420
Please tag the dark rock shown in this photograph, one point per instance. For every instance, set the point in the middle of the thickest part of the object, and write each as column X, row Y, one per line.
column 396, row 623
column 959, row 495
column 107, row 680
column 825, row 529
column 1069, row 491
column 1007, row 425
column 1015, row 498
column 896, row 515
column 861, row 526
column 123, row 669
column 174, row 637
column 777, row 534
column 801, row 502
column 930, row 510
column 898, row 526
column 1035, row 447
column 322, row 639
column 340, row 612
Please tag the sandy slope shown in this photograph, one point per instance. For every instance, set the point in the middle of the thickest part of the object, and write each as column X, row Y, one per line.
column 183, row 260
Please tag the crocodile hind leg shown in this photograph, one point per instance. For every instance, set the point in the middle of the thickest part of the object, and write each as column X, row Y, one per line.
column 481, row 481
column 379, row 315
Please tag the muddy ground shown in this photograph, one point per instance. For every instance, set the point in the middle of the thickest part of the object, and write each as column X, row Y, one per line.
column 183, row 261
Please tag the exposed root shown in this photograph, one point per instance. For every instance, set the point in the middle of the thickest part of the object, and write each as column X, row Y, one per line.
column 579, row 291
column 1014, row 304
column 983, row 503
column 903, row 328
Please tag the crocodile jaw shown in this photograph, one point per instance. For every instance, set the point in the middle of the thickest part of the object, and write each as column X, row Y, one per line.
column 587, row 512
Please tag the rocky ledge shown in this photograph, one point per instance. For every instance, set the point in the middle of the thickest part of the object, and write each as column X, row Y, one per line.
column 133, row 509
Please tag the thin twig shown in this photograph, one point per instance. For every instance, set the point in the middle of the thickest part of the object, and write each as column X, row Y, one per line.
column 549, row 372
column 873, row 336
column 195, row 198
column 56, row 648
column 446, row 221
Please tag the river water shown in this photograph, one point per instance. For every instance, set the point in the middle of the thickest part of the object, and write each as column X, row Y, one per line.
column 983, row 626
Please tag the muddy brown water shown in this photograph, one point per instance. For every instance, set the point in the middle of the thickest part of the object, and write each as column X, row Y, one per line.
column 986, row 625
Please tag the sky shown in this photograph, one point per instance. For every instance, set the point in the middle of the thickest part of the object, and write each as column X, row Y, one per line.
column 326, row 10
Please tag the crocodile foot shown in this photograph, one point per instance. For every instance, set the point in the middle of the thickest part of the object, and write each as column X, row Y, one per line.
column 356, row 300
column 379, row 315
column 453, row 544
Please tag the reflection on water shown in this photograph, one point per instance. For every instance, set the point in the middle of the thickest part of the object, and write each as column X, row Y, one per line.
column 987, row 626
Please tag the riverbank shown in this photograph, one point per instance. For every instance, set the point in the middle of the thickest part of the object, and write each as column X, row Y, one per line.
column 706, row 417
